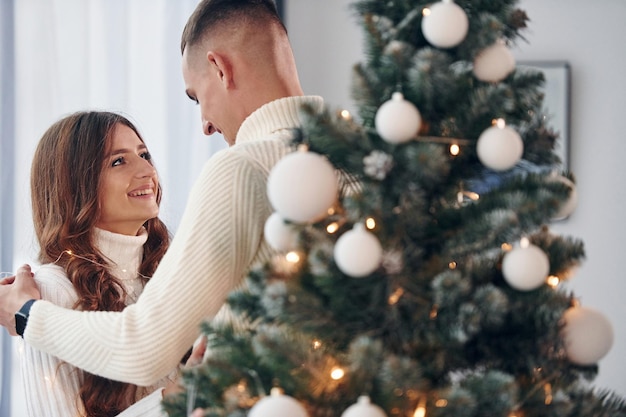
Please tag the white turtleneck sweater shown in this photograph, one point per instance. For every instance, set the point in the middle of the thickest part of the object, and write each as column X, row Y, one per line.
column 219, row 238
column 51, row 385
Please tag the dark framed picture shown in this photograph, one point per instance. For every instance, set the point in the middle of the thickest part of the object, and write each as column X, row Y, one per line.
column 556, row 104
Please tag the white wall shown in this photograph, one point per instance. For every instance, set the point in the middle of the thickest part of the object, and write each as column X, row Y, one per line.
column 590, row 36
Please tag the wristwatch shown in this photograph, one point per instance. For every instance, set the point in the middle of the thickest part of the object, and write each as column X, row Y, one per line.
column 21, row 317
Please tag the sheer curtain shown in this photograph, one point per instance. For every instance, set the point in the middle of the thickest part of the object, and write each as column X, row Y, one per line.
column 69, row 55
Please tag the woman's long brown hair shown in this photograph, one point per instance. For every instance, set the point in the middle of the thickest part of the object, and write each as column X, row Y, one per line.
column 65, row 183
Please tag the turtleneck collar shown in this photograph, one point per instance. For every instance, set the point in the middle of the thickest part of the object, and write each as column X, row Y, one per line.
column 124, row 252
column 280, row 114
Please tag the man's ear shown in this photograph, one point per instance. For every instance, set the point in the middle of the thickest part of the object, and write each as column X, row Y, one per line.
column 222, row 66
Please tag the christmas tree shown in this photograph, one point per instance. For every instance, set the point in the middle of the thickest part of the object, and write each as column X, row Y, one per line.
column 418, row 275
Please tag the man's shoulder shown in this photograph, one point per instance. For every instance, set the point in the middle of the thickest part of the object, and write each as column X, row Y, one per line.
column 262, row 153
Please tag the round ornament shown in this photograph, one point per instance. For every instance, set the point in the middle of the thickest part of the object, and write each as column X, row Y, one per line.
column 358, row 252
column 277, row 405
column 279, row 234
column 526, row 268
column 494, row 63
column 397, row 120
column 302, row 186
column 364, row 408
column 588, row 335
column 499, row 148
column 570, row 204
column 445, row 25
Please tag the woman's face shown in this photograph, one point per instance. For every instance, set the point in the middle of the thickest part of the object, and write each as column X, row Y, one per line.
column 129, row 183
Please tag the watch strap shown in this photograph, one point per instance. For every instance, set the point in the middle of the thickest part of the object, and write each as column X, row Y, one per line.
column 21, row 317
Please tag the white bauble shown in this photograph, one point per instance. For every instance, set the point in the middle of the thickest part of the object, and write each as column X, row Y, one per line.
column 494, row 63
column 397, row 120
column 570, row 204
column 588, row 335
column 358, row 252
column 446, row 26
column 279, row 234
column 526, row 268
column 499, row 148
column 364, row 408
column 277, row 405
column 302, row 186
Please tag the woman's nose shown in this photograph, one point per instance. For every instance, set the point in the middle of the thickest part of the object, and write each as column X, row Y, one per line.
column 146, row 169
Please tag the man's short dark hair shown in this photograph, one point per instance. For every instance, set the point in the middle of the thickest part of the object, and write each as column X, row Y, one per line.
column 211, row 15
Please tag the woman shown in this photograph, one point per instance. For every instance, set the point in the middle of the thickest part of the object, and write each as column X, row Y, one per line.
column 95, row 196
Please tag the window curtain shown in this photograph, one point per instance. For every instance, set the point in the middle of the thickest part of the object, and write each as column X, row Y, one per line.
column 61, row 56
column 7, row 80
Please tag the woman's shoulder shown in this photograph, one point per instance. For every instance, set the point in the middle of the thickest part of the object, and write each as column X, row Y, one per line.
column 54, row 285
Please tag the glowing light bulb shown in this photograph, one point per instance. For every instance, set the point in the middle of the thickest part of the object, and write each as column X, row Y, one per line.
column 452, row 265
column 337, row 373
column 524, row 242
column 442, row 402
column 317, row 344
column 345, row 114
column 506, row 247
column 332, row 228
column 370, row 223
column 553, row 281
column 420, row 411
column 455, row 149
column 393, row 298
column 547, row 389
column 426, row 11
column 500, row 123
column 292, row 257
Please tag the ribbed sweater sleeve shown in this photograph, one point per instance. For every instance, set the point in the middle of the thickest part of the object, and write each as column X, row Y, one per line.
column 219, row 237
column 50, row 386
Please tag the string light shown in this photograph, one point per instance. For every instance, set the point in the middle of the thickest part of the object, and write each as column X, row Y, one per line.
column 420, row 411
column 292, row 257
column 455, row 149
column 337, row 373
column 524, row 242
column 426, row 11
column 332, row 228
column 440, row 403
column 499, row 123
column 553, row 281
column 393, row 298
column 316, row 344
column 452, row 265
column 506, row 247
column 345, row 114
column 370, row 223
column 547, row 389
column 461, row 195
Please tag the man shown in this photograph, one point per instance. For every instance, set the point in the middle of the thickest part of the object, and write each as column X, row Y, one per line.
column 238, row 66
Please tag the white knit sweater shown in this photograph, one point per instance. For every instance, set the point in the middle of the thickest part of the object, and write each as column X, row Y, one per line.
column 51, row 386
column 219, row 238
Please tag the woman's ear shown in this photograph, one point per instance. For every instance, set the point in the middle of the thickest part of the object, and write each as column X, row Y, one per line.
column 222, row 66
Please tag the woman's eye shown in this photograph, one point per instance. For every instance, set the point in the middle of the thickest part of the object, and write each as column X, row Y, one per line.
column 146, row 156
column 117, row 161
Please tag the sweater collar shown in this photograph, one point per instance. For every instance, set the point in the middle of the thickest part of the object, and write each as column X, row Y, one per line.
column 123, row 252
column 280, row 114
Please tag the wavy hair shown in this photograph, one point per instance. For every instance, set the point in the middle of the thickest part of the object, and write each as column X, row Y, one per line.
column 65, row 182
